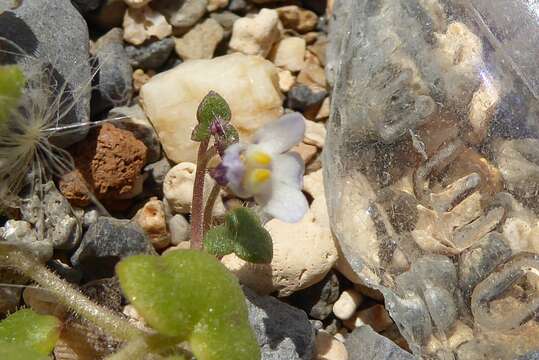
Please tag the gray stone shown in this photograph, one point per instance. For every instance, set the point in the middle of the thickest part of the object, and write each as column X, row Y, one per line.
column 54, row 38
column 85, row 6
column 105, row 243
column 282, row 331
column 301, row 97
column 137, row 122
column 534, row 355
column 90, row 217
column 152, row 55
column 365, row 344
column 182, row 14
column 158, row 170
column 21, row 234
column 52, row 216
column 318, row 299
column 238, row 6
column 114, row 73
column 180, row 229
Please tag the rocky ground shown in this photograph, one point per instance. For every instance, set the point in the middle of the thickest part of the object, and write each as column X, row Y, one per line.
column 150, row 62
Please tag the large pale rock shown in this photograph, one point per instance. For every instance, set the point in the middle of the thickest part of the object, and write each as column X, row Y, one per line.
column 249, row 84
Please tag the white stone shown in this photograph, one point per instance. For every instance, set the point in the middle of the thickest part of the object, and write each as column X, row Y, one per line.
column 136, row 3
column 315, row 133
column 289, row 53
column 249, row 84
column 141, row 24
column 256, row 35
column 345, row 307
column 329, row 348
column 178, row 189
column 303, row 253
column 180, row 229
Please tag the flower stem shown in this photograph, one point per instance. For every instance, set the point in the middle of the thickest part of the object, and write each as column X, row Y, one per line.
column 197, row 227
column 210, row 203
column 67, row 295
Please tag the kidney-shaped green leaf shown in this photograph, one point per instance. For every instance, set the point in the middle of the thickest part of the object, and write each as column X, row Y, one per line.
column 27, row 330
column 190, row 295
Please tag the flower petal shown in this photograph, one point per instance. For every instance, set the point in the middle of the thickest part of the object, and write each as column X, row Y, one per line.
column 285, row 203
column 281, row 135
column 289, row 169
column 235, row 169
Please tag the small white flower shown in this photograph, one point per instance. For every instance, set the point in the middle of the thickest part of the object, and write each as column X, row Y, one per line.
column 268, row 171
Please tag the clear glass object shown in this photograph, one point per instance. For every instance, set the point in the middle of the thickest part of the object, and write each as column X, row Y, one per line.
column 432, row 167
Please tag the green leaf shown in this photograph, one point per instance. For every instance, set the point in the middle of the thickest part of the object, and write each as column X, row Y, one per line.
column 218, row 241
column 252, row 242
column 190, row 295
column 25, row 329
column 242, row 234
column 10, row 351
column 11, row 85
column 212, row 107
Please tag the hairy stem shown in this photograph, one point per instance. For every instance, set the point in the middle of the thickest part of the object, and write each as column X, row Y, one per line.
column 67, row 295
column 210, row 203
column 197, row 227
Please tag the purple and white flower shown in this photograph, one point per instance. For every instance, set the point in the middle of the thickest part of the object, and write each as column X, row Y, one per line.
column 266, row 170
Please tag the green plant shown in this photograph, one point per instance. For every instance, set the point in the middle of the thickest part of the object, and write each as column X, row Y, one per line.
column 192, row 304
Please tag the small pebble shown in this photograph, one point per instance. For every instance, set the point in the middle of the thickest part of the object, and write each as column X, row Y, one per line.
column 345, row 307
column 140, row 78
column 298, row 19
column 151, row 218
column 289, row 53
column 182, row 15
column 200, row 42
column 301, row 97
column 136, row 3
column 142, row 24
column 286, row 80
column 329, row 348
column 376, row 316
column 150, row 56
column 315, row 133
column 238, row 6
column 256, row 36
column 214, row 5
column 306, row 151
column 180, row 229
